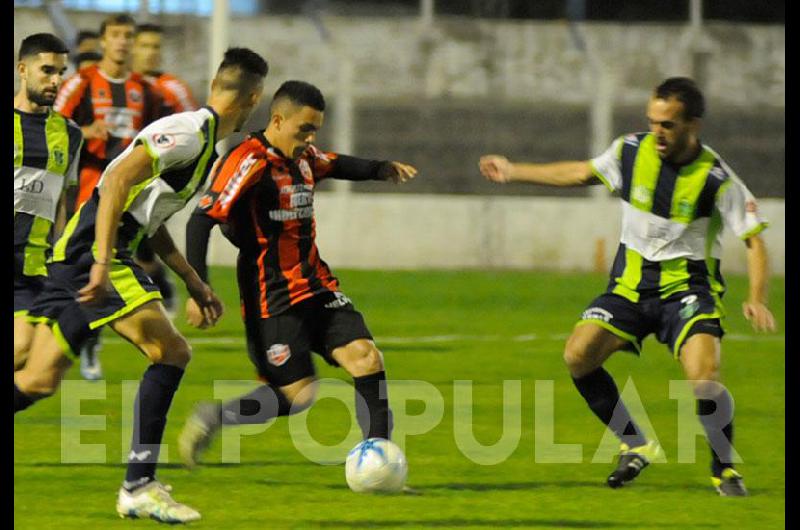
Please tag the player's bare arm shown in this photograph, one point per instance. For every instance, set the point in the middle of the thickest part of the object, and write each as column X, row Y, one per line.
column 755, row 307
column 207, row 302
column 95, row 130
column 130, row 171
column 497, row 168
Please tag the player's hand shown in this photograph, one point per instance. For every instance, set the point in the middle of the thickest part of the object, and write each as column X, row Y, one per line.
column 495, row 168
column 195, row 316
column 400, row 173
column 207, row 301
column 759, row 315
column 95, row 291
column 97, row 130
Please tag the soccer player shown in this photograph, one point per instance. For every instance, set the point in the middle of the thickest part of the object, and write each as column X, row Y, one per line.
column 263, row 194
column 46, row 153
column 676, row 194
column 176, row 97
column 94, row 281
column 87, row 44
column 176, row 94
column 111, row 104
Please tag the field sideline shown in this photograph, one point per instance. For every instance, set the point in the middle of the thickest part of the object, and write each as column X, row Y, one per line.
column 438, row 331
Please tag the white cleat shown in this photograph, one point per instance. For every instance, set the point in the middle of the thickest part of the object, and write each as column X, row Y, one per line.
column 154, row 501
column 91, row 370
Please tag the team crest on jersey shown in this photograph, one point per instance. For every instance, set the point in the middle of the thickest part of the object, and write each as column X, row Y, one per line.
column 685, row 208
column 278, row 354
column 641, row 194
column 58, row 155
column 134, row 95
column 305, row 169
column 163, row 140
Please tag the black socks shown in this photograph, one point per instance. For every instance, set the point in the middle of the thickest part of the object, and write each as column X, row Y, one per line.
column 372, row 405
column 158, row 386
column 601, row 394
column 259, row 406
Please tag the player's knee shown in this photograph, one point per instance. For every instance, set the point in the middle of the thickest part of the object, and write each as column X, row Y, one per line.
column 20, row 358
column 173, row 350
column 41, row 385
column 361, row 358
column 577, row 354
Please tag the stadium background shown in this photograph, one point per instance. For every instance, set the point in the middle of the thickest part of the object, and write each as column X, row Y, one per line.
column 538, row 80
column 438, row 83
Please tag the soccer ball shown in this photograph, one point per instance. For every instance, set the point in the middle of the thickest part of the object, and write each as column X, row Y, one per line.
column 376, row 464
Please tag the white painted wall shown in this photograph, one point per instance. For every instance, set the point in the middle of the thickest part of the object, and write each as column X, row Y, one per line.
column 390, row 231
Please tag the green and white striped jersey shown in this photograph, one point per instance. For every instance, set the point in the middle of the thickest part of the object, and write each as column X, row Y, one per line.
column 672, row 217
column 46, row 154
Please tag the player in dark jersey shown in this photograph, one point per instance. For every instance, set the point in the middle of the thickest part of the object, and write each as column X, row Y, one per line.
column 111, row 104
column 263, row 194
column 676, row 195
column 46, row 154
column 93, row 280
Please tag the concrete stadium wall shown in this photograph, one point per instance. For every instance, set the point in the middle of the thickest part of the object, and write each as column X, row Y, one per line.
column 389, row 231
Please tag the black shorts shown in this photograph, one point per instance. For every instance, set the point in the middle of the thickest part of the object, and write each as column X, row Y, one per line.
column 672, row 320
column 26, row 288
column 73, row 323
column 280, row 346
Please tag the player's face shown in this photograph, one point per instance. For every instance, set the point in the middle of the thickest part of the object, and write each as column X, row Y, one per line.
column 673, row 133
column 299, row 130
column 42, row 75
column 117, row 42
column 147, row 51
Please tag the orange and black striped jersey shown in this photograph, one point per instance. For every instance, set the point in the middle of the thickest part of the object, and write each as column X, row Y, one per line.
column 266, row 204
column 176, row 95
column 125, row 105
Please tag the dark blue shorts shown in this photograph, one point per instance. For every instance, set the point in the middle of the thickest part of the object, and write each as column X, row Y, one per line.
column 26, row 288
column 672, row 320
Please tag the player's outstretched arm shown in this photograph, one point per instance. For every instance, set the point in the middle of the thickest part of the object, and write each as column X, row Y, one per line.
column 117, row 183
column 205, row 298
column 498, row 168
column 198, row 231
column 755, row 308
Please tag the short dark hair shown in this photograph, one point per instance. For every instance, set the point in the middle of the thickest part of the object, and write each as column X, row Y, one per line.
column 301, row 94
column 41, row 43
column 149, row 28
column 687, row 92
column 120, row 19
column 85, row 56
column 251, row 67
column 85, row 34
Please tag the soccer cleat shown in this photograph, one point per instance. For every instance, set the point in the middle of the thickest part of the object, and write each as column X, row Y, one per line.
column 154, row 501
column 91, row 370
column 730, row 483
column 632, row 460
column 198, row 432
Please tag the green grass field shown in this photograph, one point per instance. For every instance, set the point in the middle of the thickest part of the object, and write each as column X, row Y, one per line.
column 436, row 327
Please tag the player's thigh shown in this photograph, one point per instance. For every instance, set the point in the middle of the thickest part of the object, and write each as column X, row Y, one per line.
column 46, row 364
column 589, row 346
column 150, row 329
column 280, row 347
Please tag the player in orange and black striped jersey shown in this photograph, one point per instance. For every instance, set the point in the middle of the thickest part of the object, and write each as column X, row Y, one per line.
column 262, row 193
column 109, row 101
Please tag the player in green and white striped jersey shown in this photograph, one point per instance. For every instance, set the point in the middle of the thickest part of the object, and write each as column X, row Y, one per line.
column 46, row 151
column 677, row 194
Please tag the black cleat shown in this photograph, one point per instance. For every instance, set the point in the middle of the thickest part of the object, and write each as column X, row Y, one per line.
column 730, row 483
column 631, row 462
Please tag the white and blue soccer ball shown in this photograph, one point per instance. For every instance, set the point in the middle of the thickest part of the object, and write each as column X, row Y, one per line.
column 376, row 465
